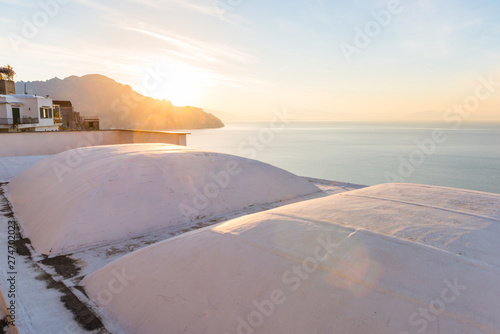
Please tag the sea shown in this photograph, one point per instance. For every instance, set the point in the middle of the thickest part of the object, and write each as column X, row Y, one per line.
column 459, row 155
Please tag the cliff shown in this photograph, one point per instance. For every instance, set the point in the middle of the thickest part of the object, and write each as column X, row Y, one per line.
column 119, row 106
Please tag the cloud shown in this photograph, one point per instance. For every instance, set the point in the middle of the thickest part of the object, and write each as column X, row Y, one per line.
column 217, row 64
column 191, row 48
column 18, row 3
column 95, row 5
column 214, row 9
column 223, row 10
column 197, row 7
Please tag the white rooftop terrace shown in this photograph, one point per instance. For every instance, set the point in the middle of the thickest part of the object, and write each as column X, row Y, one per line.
column 44, row 278
column 394, row 259
column 391, row 259
column 96, row 195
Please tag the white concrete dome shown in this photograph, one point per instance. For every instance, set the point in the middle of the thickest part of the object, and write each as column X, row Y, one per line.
column 96, row 195
column 387, row 259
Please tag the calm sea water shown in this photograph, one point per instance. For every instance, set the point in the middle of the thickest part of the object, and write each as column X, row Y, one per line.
column 369, row 154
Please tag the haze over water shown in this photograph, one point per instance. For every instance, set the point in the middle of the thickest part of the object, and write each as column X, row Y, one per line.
column 366, row 153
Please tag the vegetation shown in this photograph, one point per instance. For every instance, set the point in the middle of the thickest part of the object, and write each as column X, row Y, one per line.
column 7, row 73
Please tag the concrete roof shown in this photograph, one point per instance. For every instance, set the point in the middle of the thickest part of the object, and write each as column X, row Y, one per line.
column 95, row 195
column 386, row 259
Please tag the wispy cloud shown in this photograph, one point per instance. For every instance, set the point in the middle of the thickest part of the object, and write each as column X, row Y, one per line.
column 197, row 7
column 208, row 8
column 149, row 3
column 101, row 8
column 436, row 46
column 211, row 8
column 244, row 82
column 205, row 51
column 433, row 31
column 19, row 3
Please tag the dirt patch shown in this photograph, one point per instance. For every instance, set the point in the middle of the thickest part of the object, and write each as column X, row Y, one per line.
column 21, row 246
column 81, row 313
column 3, row 325
column 5, row 209
column 113, row 251
column 51, row 283
column 202, row 225
column 64, row 265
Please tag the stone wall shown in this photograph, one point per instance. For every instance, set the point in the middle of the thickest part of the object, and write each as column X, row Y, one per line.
column 7, row 87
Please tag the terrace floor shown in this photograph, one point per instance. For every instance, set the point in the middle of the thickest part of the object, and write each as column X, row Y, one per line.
column 48, row 296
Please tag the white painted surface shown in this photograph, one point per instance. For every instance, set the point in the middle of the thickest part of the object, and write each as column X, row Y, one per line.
column 10, row 167
column 96, row 195
column 47, row 143
column 29, row 106
column 399, row 259
column 40, row 309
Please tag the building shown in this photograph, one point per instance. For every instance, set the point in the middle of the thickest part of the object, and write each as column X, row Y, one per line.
column 23, row 112
column 67, row 114
column 90, row 123
column 72, row 120
column 19, row 112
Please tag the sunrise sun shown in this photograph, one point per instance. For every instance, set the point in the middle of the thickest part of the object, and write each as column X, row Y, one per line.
column 181, row 85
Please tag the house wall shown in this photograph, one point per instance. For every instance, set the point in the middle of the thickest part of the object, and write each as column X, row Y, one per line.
column 6, row 106
column 29, row 107
column 46, row 143
column 6, row 112
column 3, row 110
column 45, row 103
column 68, row 121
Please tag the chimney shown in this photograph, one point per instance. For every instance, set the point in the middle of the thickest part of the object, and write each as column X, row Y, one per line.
column 7, row 87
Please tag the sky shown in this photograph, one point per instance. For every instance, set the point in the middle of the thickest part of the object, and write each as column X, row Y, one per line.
column 357, row 60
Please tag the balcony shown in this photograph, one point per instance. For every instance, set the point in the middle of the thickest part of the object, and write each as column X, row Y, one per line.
column 16, row 121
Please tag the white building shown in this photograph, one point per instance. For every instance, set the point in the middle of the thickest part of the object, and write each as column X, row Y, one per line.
column 20, row 112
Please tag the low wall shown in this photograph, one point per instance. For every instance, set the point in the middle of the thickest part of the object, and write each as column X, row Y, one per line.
column 47, row 143
column 131, row 136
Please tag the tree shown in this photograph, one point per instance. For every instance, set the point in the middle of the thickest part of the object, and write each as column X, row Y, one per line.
column 7, row 73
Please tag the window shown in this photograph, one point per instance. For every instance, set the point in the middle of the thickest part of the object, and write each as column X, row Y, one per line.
column 45, row 112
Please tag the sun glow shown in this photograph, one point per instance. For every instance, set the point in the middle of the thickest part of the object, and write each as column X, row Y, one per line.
column 181, row 86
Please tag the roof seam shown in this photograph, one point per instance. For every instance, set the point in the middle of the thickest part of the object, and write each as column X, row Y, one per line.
column 423, row 205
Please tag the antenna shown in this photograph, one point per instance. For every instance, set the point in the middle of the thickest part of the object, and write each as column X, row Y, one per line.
column 25, row 88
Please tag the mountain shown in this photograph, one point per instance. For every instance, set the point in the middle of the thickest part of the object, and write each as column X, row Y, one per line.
column 118, row 106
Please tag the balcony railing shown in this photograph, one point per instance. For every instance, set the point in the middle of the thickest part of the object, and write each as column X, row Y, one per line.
column 15, row 121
